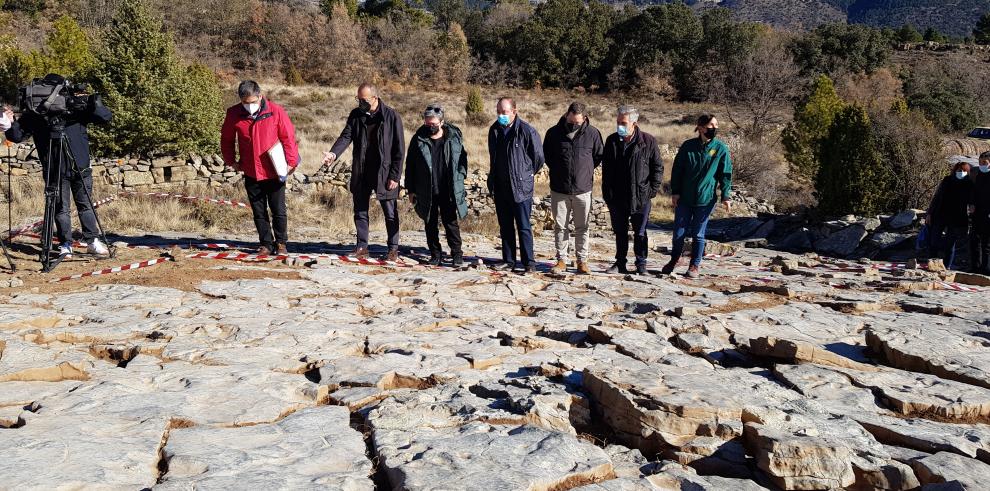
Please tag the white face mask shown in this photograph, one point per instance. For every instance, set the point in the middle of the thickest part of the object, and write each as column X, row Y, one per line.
column 251, row 108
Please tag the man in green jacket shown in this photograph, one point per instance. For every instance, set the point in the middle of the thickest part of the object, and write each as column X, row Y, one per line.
column 702, row 165
column 436, row 166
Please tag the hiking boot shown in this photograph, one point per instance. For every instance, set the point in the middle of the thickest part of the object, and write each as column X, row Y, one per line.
column 97, row 247
column 281, row 249
column 360, row 252
column 617, row 268
column 583, row 268
column 641, row 269
column 559, row 267
column 457, row 260
column 264, row 251
column 392, row 256
column 435, row 258
column 692, row 272
column 668, row 268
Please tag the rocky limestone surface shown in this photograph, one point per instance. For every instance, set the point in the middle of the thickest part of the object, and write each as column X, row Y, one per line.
column 771, row 371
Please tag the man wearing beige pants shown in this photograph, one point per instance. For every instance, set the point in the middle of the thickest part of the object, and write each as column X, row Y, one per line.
column 573, row 148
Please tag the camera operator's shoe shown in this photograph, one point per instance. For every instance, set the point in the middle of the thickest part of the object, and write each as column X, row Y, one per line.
column 457, row 260
column 97, row 247
column 65, row 250
column 435, row 258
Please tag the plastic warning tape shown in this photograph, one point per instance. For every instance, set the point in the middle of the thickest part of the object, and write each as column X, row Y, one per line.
column 117, row 269
column 226, row 202
column 244, row 256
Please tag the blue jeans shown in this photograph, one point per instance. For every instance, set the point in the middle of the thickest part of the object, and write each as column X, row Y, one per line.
column 690, row 221
column 513, row 217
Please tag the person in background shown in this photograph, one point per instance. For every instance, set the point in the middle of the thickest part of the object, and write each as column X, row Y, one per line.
column 979, row 236
column 376, row 165
column 250, row 130
column 632, row 172
column 702, row 168
column 515, row 155
column 436, row 167
column 573, row 148
column 948, row 215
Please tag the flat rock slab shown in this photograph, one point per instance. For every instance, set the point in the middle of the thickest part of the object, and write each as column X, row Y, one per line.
column 310, row 448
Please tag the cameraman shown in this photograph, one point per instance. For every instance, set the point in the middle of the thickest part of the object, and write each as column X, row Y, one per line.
column 41, row 129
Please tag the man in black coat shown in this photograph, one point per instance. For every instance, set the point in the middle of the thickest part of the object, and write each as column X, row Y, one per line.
column 376, row 166
column 979, row 243
column 77, row 183
column 632, row 172
column 573, row 148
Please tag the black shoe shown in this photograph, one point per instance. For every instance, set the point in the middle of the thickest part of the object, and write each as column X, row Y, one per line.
column 668, row 268
column 641, row 269
column 529, row 268
column 504, row 266
column 435, row 259
column 617, row 268
column 457, row 260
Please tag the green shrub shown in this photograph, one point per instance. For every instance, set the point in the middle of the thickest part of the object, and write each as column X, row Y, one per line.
column 812, row 120
column 475, row 107
column 852, row 175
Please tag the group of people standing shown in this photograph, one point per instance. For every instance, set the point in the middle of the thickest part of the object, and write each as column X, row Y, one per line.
column 960, row 210
column 435, row 168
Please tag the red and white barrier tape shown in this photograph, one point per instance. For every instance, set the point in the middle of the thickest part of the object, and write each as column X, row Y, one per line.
column 244, row 256
column 117, row 269
column 225, row 202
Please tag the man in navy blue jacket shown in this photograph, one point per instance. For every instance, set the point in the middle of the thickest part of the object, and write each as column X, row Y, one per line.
column 72, row 186
column 516, row 155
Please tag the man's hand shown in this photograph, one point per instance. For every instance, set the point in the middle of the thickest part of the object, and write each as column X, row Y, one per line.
column 674, row 199
column 292, row 169
column 412, row 199
column 392, row 185
column 7, row 119
column 728, row 205
column 329, row 158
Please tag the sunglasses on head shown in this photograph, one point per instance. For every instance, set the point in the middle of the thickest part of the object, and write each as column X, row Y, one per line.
column 438, row 109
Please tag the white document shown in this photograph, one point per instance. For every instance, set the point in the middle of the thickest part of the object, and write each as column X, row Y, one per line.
column 277, row 154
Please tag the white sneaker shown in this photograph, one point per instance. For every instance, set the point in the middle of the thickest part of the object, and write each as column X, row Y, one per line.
column 65, row 250
column 98, row 248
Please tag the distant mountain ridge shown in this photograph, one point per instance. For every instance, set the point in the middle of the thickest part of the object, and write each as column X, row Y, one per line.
column 952, row 17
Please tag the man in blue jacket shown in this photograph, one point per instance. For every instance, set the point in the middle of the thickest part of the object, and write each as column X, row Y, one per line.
column 516, row 155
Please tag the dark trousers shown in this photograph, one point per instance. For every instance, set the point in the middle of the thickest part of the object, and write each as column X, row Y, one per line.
column 362, row 203
column 266, row 195
column 979, row 246
column 945, row 241
column 443, row 209
column 512, row 218
column 74, row 187
column 690, row 221
column 622, row 218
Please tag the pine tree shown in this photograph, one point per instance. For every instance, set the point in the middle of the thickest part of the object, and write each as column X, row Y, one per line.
column 852, row 177
column 159, row 105
column 475, row 107
column 981, row 34
column 66, row 52
column 812, row 120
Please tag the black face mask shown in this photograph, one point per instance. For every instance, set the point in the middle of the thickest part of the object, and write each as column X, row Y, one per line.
column 572, row 127
column 710, row 133
column 434, row 129
column 364, row 106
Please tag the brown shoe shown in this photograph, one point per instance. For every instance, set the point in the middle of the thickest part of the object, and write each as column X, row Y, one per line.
column 280, row 249
column 583, row 268
column 692, row 272
column 360, row 252
column 264, row 251
column 392, row 256
column 560, row 267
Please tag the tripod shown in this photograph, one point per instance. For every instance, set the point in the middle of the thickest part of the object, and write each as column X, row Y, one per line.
column 60, row 160
column 10, row 196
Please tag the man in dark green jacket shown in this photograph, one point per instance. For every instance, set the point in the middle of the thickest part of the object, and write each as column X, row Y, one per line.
column 702, row 165
column 436, row 166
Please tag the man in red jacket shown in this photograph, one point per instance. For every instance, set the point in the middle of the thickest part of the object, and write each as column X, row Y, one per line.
column 256, row 127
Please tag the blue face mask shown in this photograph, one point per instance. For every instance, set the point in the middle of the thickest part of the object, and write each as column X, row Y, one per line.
column 984, row 168
column 623, row 131
column 960, row 174
column 503, row 119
